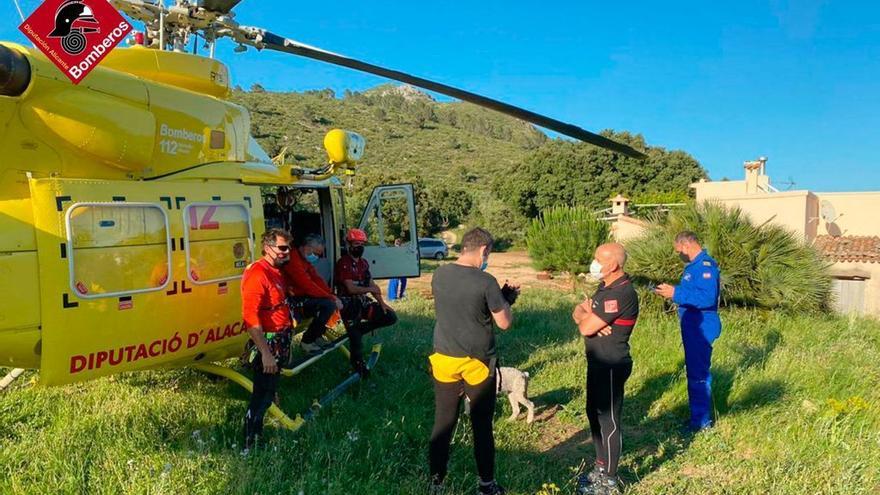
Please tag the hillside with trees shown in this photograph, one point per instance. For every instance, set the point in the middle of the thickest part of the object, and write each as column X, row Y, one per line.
column 470, row 165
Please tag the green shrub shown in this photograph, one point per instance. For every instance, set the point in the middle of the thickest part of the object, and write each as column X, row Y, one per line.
column 565, row 239
column 763, row 266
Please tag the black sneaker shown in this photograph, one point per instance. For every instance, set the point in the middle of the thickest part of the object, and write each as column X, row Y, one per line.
column 491, row 489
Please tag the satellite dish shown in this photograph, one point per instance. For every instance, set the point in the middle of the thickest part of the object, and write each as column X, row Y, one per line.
column 827, row 212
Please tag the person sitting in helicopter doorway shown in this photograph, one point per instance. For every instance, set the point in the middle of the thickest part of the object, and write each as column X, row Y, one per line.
column 364, row 309
column 312, row 297
column 266, row 315
column 396, row 286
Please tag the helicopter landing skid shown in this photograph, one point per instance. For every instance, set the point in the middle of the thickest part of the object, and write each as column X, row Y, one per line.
column 297, row 366
column 336, row 392
column 10, row 377
column 275, row 411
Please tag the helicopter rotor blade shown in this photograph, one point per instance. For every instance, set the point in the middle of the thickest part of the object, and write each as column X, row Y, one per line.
column 264, row 39
column 219, row 6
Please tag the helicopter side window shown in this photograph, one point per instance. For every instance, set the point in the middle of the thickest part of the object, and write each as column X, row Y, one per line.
column 116, row 249
column 218, row 241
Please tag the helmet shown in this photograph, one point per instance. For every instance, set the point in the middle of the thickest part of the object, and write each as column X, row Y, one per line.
column 356, row 235
column 68, row 14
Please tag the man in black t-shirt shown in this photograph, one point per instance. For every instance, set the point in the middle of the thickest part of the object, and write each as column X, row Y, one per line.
column 467, row 301
column 606, row 321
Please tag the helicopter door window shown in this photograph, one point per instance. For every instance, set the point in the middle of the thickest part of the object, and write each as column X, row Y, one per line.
column 390, row 223
column 218, row 242
column 388, row 219
column 117, row 249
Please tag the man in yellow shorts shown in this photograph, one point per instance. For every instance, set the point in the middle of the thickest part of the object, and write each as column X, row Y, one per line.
column 467, row 300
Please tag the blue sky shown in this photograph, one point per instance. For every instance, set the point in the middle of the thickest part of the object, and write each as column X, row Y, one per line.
column 797, row 81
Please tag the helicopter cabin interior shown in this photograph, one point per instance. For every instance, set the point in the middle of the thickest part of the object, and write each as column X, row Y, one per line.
column 319, row 208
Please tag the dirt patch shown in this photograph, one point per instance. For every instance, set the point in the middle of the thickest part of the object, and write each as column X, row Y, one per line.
column 512, row 266
column 562, row 440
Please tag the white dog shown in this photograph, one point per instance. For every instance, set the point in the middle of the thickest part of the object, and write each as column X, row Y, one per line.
column 516, row 384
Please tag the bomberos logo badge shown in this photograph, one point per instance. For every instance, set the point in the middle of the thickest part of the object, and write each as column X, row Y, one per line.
column 75, row 34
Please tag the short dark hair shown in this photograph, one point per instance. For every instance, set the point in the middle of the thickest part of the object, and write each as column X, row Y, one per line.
column 476, row 238
column 687, row 236
column 270, row 237
column 313, row 240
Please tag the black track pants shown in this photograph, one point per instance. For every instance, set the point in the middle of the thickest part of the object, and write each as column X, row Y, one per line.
column 265, row 386
column 447, row 397
column 604, row 404
column 357, row 329
column 320, row 310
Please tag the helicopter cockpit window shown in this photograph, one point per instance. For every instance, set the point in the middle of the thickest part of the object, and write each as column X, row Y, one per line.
column 218, row 241
column 117, row 249
column 388, row 221
column 256, row 153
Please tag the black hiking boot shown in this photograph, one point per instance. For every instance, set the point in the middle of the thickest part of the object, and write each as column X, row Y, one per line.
column 360, row 367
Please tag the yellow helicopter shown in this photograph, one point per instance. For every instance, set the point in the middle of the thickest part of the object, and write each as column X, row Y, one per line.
column 130, row 203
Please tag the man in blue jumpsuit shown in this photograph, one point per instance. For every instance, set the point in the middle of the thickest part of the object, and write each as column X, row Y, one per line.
column 697, row 300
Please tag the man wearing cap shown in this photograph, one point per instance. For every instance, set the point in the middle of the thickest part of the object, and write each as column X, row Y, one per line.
column 364, row 309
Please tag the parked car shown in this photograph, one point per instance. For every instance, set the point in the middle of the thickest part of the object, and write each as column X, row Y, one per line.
column 432, row 248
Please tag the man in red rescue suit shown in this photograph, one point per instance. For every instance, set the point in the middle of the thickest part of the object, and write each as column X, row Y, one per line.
column 364, row 309
column 266, row 315
column 311, row 295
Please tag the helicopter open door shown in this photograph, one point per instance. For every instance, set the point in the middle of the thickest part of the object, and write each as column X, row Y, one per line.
column 390, row 223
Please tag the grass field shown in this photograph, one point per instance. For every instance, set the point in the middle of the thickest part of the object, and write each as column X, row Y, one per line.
column 798, row 400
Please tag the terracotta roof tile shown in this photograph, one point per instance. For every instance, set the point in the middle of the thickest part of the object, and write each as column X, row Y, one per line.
column 854, row 249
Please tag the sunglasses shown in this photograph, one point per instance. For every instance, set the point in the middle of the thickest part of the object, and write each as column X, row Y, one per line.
column 283, row 248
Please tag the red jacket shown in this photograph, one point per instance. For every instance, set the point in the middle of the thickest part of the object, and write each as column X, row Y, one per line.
column 303, row 279
column 348, row 268
column 264, row 297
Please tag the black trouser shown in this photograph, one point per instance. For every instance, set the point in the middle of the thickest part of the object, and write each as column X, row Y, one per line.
column 320, row 310
column 265, row 386
column 447, row 397
column 604, row 403
column 372, row 318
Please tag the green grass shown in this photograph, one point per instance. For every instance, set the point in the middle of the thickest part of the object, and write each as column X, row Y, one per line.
column 797, row 397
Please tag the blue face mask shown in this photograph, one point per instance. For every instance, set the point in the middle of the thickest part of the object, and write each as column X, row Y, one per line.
column 484, row 266
column 312, row 258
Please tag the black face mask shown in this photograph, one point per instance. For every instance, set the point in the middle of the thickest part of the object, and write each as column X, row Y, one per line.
column 684, row 258
column 356, row 251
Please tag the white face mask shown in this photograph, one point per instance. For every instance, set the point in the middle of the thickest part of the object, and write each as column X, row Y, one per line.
column 596, row 270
